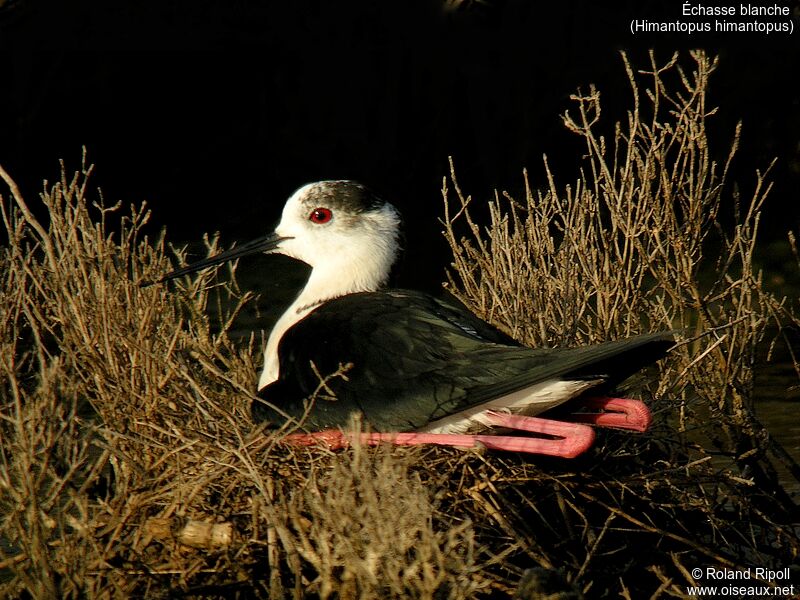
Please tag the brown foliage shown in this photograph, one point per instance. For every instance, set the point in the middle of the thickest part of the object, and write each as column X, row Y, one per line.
column 126, row 440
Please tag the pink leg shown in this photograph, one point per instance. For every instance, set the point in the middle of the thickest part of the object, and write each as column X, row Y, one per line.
column 570, row 439
column 574, row 439
column 566, row 440
column 618, row 412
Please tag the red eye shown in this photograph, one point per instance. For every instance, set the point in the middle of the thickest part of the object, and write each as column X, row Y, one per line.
column 320, row 215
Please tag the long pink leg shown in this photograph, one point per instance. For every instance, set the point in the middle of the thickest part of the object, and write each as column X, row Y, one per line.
column 569, row 439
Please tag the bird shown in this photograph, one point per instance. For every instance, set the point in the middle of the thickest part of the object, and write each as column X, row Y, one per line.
column 416, row 368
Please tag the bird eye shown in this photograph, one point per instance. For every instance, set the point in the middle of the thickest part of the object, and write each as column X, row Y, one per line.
column 320, row 215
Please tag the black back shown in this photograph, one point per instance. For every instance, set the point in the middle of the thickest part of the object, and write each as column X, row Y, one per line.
column 415, row 359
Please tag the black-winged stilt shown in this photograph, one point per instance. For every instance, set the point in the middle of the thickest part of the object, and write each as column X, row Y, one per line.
column 417, row 368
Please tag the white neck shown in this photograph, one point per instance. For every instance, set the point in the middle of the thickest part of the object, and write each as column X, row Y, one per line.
column 356, row 268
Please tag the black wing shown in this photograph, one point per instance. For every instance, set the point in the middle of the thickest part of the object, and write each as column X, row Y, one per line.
column 416, row 359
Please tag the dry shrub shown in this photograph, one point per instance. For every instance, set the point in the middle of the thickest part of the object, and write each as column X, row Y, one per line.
column 129, row 465
column 101, row 393
column 383, row 546
column 648, row 238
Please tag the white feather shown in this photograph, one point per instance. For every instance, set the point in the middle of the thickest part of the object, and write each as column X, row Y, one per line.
column 528, row 401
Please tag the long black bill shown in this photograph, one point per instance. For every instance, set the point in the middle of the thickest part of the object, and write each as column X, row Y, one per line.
column 264, row 244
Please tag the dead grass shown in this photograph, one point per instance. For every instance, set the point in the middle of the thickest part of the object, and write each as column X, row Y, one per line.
column 640, row 242
column 129, row 465
column 125, row 427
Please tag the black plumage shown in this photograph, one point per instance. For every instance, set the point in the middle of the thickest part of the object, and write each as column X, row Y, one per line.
column 415, row 359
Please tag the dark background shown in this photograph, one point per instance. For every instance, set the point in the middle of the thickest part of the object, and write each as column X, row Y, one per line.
column 215, row 111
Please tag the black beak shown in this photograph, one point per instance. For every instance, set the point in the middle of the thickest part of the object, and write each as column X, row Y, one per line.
column 264, row 244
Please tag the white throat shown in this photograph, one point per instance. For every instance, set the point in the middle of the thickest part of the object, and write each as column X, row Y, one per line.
column 361, row 262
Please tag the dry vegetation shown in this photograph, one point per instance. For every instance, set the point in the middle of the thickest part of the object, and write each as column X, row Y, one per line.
column 130, row 467
column 640, row 243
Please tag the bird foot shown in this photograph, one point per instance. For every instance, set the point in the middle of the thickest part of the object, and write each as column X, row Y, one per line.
column 621, row 413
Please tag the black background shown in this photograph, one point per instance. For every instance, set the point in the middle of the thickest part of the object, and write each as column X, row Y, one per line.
column 215, row 111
